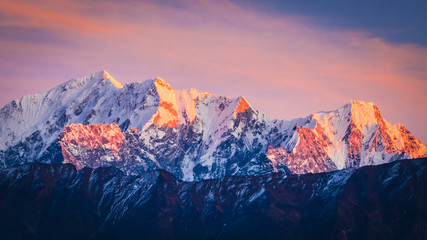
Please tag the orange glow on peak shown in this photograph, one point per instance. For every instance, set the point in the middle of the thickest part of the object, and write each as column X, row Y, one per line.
column 243, row 106
column 166, row 116
column 117, row 84
column 163, row 83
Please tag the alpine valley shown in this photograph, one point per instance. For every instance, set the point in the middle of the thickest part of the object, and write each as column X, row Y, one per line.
column 95, row 158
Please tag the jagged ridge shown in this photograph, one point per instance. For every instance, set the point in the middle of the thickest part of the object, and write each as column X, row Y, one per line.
column 193, row 135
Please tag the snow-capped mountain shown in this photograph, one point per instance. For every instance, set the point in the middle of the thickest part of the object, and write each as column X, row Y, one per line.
column 97, row 121
column 352, row 136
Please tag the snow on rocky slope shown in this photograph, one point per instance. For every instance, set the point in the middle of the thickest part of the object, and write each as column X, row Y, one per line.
column 97, row 121
column 352, row 136
column 49, row 201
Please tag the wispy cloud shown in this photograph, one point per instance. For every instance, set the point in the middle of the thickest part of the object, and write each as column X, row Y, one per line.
column 285, row 66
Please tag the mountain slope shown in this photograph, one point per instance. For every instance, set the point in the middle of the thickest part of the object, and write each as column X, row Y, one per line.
column 97, row 121
column 352, row 136
column 42, row 201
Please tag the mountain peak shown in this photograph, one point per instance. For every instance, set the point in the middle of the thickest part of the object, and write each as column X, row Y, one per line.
column 364, row 113
column 242, row 106
column 159, row 82
column 106, row 75
column 358, row 104
column 189, row 133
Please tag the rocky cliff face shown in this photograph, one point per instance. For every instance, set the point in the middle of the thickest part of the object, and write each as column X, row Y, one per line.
column 352, row 136
column 47, row 201
column 96, row 144
column 97, row 121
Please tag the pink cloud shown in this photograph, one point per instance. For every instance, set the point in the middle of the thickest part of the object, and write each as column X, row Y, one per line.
column 284, row 66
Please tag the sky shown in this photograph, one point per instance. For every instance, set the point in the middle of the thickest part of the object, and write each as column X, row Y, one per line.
column 287, row 58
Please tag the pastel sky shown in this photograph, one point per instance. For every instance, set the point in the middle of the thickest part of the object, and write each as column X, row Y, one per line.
column 288, row 59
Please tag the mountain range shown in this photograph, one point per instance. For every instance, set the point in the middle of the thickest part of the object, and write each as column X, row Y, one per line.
column 50, row 201
column 96, row 121
column 97, row 159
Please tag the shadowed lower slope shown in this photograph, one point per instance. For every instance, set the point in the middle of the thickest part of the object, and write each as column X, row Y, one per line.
column 42, row 201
